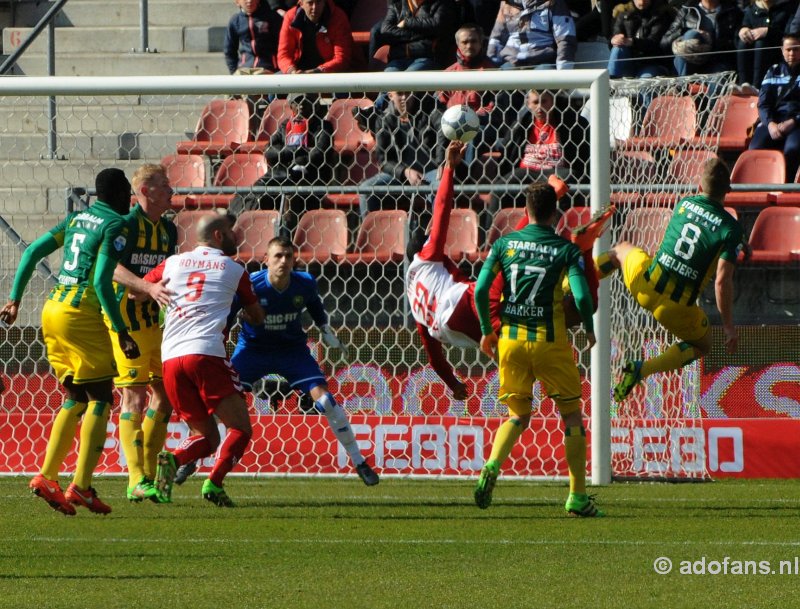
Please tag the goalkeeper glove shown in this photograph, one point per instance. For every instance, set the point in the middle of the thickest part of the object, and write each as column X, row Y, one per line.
column 329, row 338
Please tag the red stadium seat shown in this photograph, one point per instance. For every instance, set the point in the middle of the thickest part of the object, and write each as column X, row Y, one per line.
column 686, row 167
column 277, row 111
column 791, row 199
column 321, row 236
column 223, row 125
column 645, row 226
column 239, row 170
column 353, row 145
column 255, row 228
column 670, row 121
column 381, row 237
column 186, row 223
column 775, row 238
column 757, row 167
column 733, row 116
column 185, row 171
column 504, row 221
column 462, row 235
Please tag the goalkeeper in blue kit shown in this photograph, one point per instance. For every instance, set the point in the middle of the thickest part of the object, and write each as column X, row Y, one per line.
column 279, row 346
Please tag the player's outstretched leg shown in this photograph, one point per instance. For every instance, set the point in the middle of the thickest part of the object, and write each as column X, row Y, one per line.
column 51, row 492
column 87, row 498
column 485, row 485
column 340, row 425
column 585, row 235
column 631, row 376
column 216, row 494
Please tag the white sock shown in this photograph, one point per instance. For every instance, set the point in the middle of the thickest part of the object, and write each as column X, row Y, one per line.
column 340, row 425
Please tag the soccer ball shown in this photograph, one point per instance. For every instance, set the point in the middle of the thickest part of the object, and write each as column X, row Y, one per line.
column 460, row 123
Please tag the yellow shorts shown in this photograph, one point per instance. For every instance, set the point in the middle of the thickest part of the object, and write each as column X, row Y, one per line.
column 147, row 367
column 687, row 322
column 524, row 362
column 77, row 344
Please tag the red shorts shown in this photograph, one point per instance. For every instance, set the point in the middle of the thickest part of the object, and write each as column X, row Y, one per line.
column 196, row 384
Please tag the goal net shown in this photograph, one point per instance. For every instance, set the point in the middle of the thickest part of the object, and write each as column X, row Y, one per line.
column 350, row 209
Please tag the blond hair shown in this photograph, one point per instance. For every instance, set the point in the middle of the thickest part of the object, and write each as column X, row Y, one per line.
column 145, row 173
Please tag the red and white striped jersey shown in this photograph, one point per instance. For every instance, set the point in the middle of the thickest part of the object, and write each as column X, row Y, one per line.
column 205, row 282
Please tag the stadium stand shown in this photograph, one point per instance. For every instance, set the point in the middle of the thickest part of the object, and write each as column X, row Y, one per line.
column 238, row 170
column 670, row 121
column 276, row 112
column 186, row 223
column 381, row 237
column 321, row 236
column 255, row 228
column 756, row 167
column 222, row 126
column 185, row 171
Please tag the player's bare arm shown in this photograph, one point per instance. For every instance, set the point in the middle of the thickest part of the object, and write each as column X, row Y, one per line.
column 253, row 314
column 723, row 290
column 454, row 154
column 141, row 289
column 489, row 345
column 9, row 312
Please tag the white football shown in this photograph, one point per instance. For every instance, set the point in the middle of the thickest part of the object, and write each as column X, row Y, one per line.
column 460, row 123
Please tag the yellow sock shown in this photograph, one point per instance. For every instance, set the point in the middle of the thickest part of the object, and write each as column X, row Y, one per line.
column 154, row 428
column 130, row 436
column 676, row 356
column 575, row 449
column 93, row 439
column 62, row 435
column 604, row 265
column 504, row 440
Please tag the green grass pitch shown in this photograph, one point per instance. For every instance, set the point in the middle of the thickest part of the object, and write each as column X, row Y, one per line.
column 334, row 543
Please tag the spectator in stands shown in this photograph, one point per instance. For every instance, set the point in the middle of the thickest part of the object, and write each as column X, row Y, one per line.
column 412, row 28
column 702, row 35
column 471, row 55
column 299, row 152
column 409, row 145
column 546, row 140
column 759, row 40
column 251, row 40
column 533, row 34
column 315, row 37
column 635, row 43
column 480, row 12
column 598, row 23
column 779, row 107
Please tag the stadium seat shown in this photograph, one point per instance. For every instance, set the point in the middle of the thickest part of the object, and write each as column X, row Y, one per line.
column 185, row 171
column 631, row 167
column 255, row 228
column 277, row 111
column 757, row 167
column 670, row 121
column 239, row 170
column 775, row 238
column 462, row 235
column 731, row 117
column 186, row 223
column 381, row 237
column 645, row 226
column 223, row 126
column 353, row 145
column 791, row 199
column 685, row 167
column 321, row 236
column 732, row 212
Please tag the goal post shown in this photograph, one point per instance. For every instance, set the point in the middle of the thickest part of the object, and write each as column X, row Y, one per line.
column 401, row 412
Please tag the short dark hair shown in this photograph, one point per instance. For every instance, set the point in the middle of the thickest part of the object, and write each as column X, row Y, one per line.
column 795, row 35
column 541, row 200
column 716, row 178
column 281, row 241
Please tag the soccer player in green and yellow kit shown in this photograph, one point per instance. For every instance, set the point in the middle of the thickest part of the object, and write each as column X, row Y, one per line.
column 152, row 238
column 77, row 341
column 533, row 342
column 701, row 239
